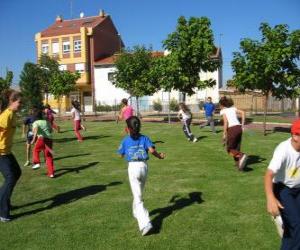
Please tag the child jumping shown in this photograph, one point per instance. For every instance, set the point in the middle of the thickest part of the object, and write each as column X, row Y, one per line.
column 135, row 148
column 233, row 130
column 42, row 135
column 185, row 116
column 77, row 120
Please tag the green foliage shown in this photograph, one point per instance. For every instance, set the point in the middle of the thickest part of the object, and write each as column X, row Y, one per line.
column 31, row 87
column 6, row 82
column 174, row 105
column 192, row 49
column 107, row 108
column 157, row 106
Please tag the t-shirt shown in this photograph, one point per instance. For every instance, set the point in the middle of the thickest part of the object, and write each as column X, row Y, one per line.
column 76, row 113
column 8, row 125
column 231, row 116
column 44, row 128
column 285, row 165
column 28, row 121
column 135, row 149
column 209, row 108
column 185, row 115
column 127, row 112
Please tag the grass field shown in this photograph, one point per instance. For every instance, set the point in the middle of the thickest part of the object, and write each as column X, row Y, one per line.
column 196, row 198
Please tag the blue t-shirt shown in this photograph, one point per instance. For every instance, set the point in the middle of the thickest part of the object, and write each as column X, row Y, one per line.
column 28, row 121
column 209, row 108
column 135, row 149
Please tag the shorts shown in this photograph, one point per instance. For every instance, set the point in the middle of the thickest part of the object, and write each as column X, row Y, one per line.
column 29, row 137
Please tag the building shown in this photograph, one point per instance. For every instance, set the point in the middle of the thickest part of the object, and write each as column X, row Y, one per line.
column 77, row 44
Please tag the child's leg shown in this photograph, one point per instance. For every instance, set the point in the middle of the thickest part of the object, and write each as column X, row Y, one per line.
column 210, row 121
column 49, row 156
column 137, row 173
column 76, row 130
column 39, row 146
column 187, row 130
column 28, row 151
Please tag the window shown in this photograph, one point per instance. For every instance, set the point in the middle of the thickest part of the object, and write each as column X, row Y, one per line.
column 110, row 76
column 55, row 48
column 77, row 45
column 62, row 67
column 45, row 48
column 66, row 47
column 80, row 67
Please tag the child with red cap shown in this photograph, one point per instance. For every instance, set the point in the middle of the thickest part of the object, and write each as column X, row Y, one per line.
column 282, row 187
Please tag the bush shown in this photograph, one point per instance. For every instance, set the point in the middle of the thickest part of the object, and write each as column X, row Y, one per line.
column 174, row 105
column 107, row 108
column 157, row 106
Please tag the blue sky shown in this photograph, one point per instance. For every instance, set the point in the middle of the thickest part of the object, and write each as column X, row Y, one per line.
column 140, row 22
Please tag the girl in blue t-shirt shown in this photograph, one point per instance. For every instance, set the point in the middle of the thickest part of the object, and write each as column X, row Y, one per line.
column 135, row 148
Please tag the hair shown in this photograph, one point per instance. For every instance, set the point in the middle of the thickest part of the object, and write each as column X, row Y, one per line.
column 7, row 97
column 76, row 105
column 184, row 107
column 226, row 102
column 134, row 126
column 38, row 114
column 47, row 106
column 124, row 101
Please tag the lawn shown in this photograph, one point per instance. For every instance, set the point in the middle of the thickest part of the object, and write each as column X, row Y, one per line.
column 196, row 198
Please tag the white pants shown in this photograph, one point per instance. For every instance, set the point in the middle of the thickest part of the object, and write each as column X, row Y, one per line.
column 137, row 173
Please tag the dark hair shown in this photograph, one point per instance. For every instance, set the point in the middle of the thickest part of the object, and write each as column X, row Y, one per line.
column 76, row 105
column 124, row 101
column 226, row 102
column 184, row 107
column 47, row 106
column 134, row 126
column 8, row 96
column 38, row 114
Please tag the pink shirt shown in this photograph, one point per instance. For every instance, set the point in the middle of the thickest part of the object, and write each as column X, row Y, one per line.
column 128, row 112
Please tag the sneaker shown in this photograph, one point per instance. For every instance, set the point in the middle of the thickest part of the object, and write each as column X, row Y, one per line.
column 195, row 139
column 3, row 219
column 36, row 166
column 27, row 163
column 146, row 230
column 51, row 176
column 242, row 162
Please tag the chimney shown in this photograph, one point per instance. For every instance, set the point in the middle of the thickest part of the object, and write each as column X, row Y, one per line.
column 102, row 13
column 81, row 15
column 59, row 19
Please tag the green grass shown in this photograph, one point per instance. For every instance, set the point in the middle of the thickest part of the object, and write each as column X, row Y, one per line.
column 195, row 196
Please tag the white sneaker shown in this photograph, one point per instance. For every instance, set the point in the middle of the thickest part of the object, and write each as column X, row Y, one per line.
column 36, row 166
column 147, row 229
column 243, row 161
column 195, row 139
column 3, row 219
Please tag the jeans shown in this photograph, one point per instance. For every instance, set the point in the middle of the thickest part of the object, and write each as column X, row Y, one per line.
column 11, row 172
column 187, row 130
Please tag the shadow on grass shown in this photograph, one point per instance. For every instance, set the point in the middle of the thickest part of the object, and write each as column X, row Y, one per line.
column 64, row 198
column 178, row 204
column 63, row 171
column 93, row 137
column 65, row 131
column 69, row 156
column 252, row 159
column 155, row 142
column 282, row 129
column 201, row 137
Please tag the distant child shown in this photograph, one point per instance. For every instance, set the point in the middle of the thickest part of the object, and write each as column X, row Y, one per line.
column 209, row 109
column 126, row 111
column 282, row 187
column 233, row 130
column 185, row 116
column 27, row 129
column 76, row 116
column 50, row 116
column 135, row 148
column 42, row 136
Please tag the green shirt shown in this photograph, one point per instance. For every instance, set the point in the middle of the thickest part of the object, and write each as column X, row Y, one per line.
column 43, row 128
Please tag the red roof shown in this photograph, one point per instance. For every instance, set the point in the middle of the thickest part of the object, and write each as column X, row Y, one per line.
column 72, row 26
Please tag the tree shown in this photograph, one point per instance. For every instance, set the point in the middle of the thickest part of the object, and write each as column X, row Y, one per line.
column 269, row 65
column 31, row 87
column 5, row 83
column 191, row 49
column 132, row 75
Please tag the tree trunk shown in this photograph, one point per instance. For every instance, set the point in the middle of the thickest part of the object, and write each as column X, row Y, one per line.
column 265, row 112
column 59, row 106
column 183, row 97
column 137, row 107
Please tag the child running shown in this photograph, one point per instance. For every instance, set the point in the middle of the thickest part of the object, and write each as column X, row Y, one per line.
column 233, row 130
column 42, row 135
column 282, row 187
column 135, row 148
column 209, row 109
column 27, row 129
column 185, row 116
column 77, row 120
column 50, row 116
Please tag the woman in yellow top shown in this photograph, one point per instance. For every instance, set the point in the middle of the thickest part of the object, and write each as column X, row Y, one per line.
column 9, row 166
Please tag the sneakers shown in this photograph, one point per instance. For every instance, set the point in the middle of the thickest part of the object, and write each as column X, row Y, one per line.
column 27, row 163
column 36, row 166
column 51, row 176
column 146, row 230
column 3, row 219
column 195, row 139
column 242, row 162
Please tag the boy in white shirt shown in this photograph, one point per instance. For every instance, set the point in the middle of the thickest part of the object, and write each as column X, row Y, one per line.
column 282, row 187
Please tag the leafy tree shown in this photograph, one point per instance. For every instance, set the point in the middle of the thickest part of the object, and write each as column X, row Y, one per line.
column 132, row 75
column 30, row 85
column 174, row 105
column 269, row 65
column 191, row 49
column 5, row 83
column 157, row 106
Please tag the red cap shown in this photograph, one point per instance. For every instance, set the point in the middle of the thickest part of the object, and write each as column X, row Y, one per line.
column 295, row 129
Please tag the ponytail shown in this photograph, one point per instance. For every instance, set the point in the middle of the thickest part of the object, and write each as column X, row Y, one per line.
column 134, row 126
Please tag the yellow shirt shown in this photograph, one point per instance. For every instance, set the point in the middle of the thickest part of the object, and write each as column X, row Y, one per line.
column 7, row 130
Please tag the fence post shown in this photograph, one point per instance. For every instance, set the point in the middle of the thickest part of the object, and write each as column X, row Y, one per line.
column 169, row 115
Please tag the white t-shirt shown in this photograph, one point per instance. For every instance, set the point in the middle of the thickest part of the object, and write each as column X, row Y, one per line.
column 185, row 115
column 285, row 165
column 76, row 114
column 231, row 116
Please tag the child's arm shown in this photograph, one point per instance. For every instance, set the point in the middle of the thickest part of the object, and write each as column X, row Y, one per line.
column 23, row 130
column 225, row 127
column 273, row 205
column 34, row 130
column 242, row 114
column 156, row 154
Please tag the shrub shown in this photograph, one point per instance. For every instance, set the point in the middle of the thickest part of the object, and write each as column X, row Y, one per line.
column 174, row 105
column 157, row 106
